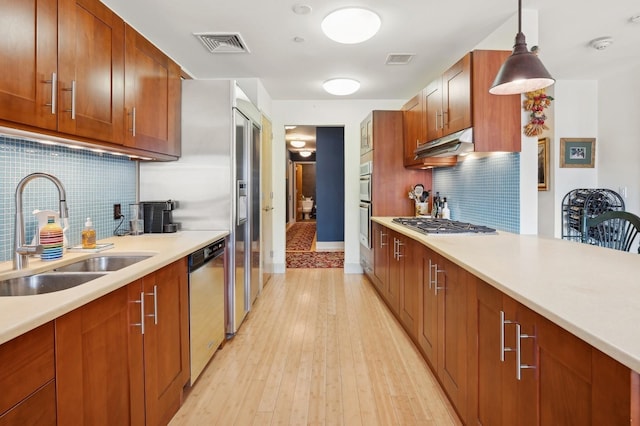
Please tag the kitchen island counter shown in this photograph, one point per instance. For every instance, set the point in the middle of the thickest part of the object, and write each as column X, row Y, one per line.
column 592, row 292
column 19, row 314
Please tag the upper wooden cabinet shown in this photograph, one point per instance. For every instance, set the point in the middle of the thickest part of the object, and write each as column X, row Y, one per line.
column 29, row 55
column 90, row 70
column 458, row 99
column 152, row 97
column 64, row 75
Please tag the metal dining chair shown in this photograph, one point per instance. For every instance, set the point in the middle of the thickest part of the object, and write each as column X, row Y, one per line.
column 612, row 229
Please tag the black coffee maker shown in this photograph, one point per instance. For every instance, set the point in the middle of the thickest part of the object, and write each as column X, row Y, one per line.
column 158, row 217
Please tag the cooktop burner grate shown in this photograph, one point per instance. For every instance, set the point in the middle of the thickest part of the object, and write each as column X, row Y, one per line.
column 442, row 226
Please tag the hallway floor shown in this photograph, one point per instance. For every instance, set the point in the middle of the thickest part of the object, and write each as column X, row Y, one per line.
column 318, row 348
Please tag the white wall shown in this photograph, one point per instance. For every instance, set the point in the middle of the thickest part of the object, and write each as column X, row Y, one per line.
column 342, row 112
column 575, row 116
column 618, row 144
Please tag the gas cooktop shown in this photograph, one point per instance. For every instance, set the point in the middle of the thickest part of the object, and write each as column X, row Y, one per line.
column 442, row 226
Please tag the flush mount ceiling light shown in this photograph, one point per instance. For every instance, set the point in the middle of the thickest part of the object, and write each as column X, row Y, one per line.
column 351, row 25
column 297, row 144
column 522, row 71
column 341, row 86
column 305, row 153
column 601, row 43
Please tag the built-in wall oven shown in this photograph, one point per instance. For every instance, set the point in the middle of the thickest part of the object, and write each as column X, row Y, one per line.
column 365, row 203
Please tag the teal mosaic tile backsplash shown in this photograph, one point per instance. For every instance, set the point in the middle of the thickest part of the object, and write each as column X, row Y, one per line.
column 483, row 191
column 93, row 183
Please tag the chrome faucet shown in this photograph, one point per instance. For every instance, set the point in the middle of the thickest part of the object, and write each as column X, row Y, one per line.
column 22, row 250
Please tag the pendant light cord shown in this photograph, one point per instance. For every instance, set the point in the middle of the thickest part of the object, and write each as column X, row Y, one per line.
column 519, row 16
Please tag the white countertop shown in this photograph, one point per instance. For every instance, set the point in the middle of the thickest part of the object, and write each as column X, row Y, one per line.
column 19, row 314
column 592, row 292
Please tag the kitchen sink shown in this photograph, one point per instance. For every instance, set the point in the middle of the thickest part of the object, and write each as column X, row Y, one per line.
column 47, row 282
column 102, row 263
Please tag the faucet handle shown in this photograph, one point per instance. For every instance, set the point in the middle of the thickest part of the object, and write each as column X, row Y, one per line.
column 28, row 249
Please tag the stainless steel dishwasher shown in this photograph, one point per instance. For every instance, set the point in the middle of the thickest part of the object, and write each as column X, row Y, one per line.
column 206, row 304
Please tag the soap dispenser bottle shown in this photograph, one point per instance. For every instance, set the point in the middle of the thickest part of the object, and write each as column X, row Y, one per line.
column 88, row 235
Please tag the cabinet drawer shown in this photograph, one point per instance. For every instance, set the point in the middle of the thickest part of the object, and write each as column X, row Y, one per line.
column 27, row 364
column 37, row 410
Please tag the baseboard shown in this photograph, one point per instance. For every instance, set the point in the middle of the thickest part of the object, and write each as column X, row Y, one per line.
column 352, row 268
column 279, row 268
column 329, row 245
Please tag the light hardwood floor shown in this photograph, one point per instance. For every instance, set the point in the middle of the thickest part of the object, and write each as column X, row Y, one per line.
column 318, row 348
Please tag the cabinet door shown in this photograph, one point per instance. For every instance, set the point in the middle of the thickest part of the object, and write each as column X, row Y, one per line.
column 428, row 314
column 28, row 54
column 381, row 243
column 91, row 70
column 152, row 97
column 456, row 96
column 396, row 269
column 409, row 292
column 433, row 119
column 413, row 117
column 452, row 287
column 166, row 344
column 94, row 372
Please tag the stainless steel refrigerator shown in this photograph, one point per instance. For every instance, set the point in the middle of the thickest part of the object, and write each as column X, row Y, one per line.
column 215, row 181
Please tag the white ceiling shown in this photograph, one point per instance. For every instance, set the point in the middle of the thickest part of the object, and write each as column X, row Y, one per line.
column 437, row 32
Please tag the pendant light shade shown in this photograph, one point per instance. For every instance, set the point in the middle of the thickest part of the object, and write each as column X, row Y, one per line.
column 523, row 71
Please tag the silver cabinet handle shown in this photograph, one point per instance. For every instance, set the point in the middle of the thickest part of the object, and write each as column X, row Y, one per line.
column 73, row 99
column 437, row 119
column 155, row 304
column 443, row 114
column 395, row 248
column 503, row 348
column 54, row 91
column 430, row 278
column 519, row 365
column 133, row 122
column 382, row 243
column 436, row 272
column 400, row 244
column 141, row 323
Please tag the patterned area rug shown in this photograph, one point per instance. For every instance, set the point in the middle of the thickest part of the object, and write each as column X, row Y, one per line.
column 300, row 236
column 315, row 259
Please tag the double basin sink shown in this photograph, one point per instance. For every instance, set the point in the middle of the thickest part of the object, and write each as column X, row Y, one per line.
column 68, row 276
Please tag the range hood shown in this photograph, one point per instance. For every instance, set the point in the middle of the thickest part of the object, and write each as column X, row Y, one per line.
column 454, row 144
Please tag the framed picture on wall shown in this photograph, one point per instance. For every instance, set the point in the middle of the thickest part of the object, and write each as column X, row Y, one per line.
column 543, row 164
column 577, row 152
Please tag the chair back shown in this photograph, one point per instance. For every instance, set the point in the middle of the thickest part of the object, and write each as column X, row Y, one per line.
column 612, row 229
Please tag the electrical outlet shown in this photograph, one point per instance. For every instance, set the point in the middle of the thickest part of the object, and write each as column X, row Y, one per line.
column 117, row 211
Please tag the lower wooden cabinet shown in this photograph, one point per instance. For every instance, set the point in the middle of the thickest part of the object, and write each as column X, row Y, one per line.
column 442, row 324
column 380, row 244
column 27, row 384
column 532, row 372
column 499, row 362
column 123, row 359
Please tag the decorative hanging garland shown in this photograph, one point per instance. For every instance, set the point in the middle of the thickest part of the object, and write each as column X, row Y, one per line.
column 536, row 102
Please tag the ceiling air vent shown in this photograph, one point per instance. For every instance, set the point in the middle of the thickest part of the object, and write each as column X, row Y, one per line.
column 223, row 42
column 399, row 58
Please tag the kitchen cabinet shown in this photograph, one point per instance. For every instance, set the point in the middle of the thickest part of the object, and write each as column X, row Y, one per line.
column 27, row 379
column 381, row 246
column 530, row 371
column 28, row 54
column 152, row 97
column 90, row 71
column 415, row 134
column 409, row 286
column 458, row 99
column 64, row 75
column 447, row 101
column 390, row 180
column 123, row 358
column 443, row 322
column 366, row 135
column 391, row 291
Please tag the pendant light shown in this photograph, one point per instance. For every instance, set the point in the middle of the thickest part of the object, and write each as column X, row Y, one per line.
column 523, row 71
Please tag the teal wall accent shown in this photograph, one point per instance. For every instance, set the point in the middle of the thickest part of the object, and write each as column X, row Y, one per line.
column 483, row 191
column 93, row 183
